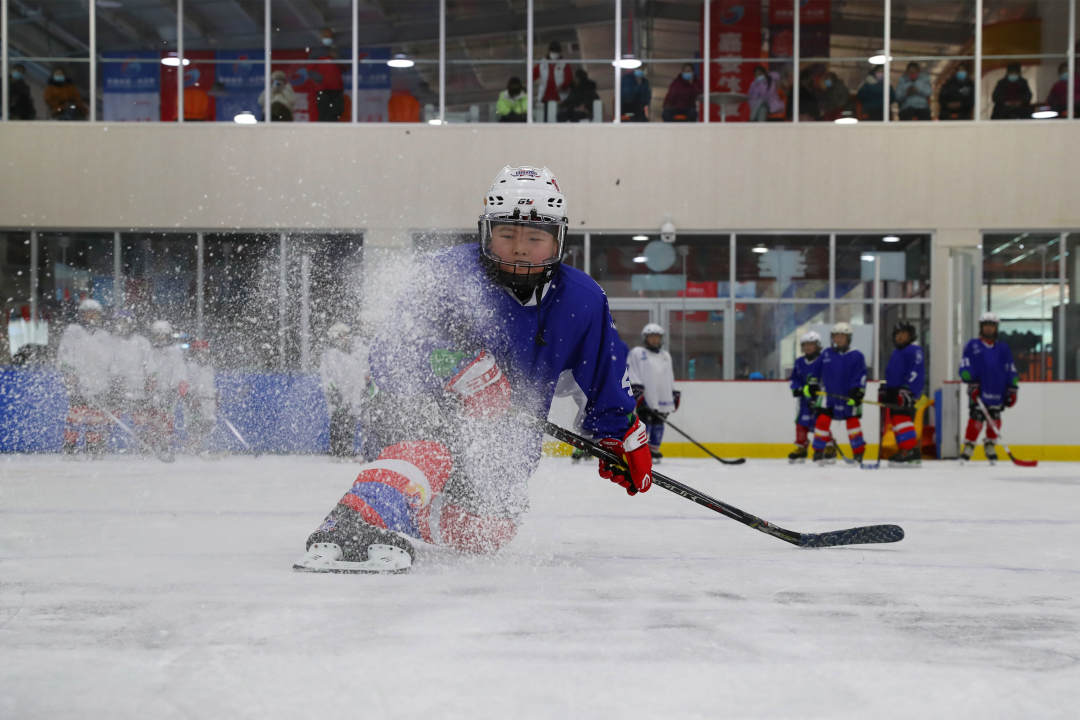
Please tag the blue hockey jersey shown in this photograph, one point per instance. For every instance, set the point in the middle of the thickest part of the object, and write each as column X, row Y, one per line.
column 841, row 372
column 991, row 366
column 463, row 311
column 906, row 369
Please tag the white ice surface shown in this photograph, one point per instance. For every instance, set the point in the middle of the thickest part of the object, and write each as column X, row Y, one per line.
column 134, row 589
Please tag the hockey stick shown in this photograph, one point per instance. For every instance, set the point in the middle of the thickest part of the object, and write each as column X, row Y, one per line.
column 234, row 431
column 162, row 455
column 850, row 536
column 736, row 461
column 997, row 429
column 864, row 401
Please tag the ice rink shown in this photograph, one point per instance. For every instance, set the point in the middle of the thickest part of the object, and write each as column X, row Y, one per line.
column 134, row 589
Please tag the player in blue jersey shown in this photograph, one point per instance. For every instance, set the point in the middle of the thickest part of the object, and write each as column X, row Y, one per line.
column 481, row 328
column 987, row 367
column 803, row 375
column 905, row 377
column 843, row 383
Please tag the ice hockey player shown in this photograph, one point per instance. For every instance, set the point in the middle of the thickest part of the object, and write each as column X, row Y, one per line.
column 83, row 356
column 843, row 383
column 653, row 383
column 129, row 357
column 905, row 376
column 987, row 368
column 805, row 374
column 475, row 346
column 165, row 372
column 343, row 374
column 198, row 398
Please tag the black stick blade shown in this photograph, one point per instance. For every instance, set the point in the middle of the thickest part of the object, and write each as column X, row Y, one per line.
column 854, row 536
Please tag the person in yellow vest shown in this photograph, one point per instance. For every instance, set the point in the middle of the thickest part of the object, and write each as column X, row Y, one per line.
column 513, row 103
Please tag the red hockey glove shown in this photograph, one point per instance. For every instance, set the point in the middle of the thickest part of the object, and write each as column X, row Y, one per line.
column 906, row 399
column 481, row 387
column 1010, row 397
column 634, row 451
column 973, row 393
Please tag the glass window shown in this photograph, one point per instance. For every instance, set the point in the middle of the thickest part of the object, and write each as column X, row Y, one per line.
column 939, row 38
column 767, row 336
column 629, row 323
column 485, row 57
column 829, row 91
column 16, row 329
column 1071, row 340
column 159, row 280
column 335, row 284
column 905, row 266
column 242, row 293
column 569, row 36
column 745, row 37
column 696, row 344
column 1020, row 276
column 782, row 266
column 642, row 265
column 71, row 267
column 131, row 43
column 49, row 46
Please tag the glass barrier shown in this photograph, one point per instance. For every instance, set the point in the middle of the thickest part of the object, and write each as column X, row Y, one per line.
column 904, row 260
column 696, row 343
column 643, row 265
column 49, row 61
column 767, row 336
column 782, row 266
column 132, row 43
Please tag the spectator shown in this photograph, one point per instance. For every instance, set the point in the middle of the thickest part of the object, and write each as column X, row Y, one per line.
column 1058, row 99
column 957, row 97
column 1012, row 96
column 913, row 93
column 330, row 87
column 282, row 98
column 513, row 103
column 636, row 96
column 403, row 106
column 578, row 104
column 680, row 103
column 871, row 95
column 764, row 96
column 62, row 98
column 20, row 104
column 834, row 97
column 808, row 94
column 553, row 75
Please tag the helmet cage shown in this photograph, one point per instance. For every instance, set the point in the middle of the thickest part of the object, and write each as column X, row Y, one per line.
column 518, row 275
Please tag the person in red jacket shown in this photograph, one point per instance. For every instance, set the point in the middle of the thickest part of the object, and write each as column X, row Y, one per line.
column 680, row 103
column 553, row 76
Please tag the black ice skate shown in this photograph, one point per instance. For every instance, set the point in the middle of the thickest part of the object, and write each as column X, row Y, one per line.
column 857, row 455
column 966, row 453
column 819, row 457
column 657, row 456
column 906, row 458
column 830, row 454
column 347, row 544
column 798, row 455
column 991, row 452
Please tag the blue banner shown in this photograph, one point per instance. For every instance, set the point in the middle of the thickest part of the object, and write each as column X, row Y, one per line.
column 131, row 72
column 239, row 81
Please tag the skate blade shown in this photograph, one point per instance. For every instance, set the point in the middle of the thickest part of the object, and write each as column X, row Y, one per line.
column 382, row 559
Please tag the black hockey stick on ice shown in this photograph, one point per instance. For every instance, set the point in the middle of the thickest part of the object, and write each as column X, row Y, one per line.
column 162, row 455
column 997, row 430
column 736, row 461
column 850, row 536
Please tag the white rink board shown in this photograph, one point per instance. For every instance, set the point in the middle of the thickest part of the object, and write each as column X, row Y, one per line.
column 133, row 589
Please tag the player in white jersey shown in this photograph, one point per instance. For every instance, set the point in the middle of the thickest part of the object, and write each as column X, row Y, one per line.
column 165, row 371
column 652, row 381
column 83, row 356
column 129, row 356
column 343, row 375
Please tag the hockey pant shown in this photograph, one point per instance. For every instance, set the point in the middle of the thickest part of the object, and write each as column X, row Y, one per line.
column 342, row 431
column 976, row 419
column 823, row 433
column 804, row 423
column 154, row 424
column 656, row 435
column 87, row 421
column 403, row 491
column 904, row 428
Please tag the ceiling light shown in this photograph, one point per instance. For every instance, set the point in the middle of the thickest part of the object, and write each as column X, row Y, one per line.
column 759, row 249
column 890, row 239
column 640, row 238
column 400, row 61
column 434, row 121
column 641, row 259
column 244, row 118
column 173, row 61
column 846, row 120
column 867, row 258
column 879, row 59
column 1044, row 114
column 628, row 62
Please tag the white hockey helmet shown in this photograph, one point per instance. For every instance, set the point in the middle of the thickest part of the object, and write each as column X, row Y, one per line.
column 841, row 328
column 89, row 305
column 810, row 337
column 652, row 329
column 523, row 196
column 338, row 330
column 161, row 328
column 989, row 317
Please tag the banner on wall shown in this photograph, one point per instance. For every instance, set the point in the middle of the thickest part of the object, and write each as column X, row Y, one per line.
column 815, row 18
column 735, row 33
column 131, row 86
column 239, row 80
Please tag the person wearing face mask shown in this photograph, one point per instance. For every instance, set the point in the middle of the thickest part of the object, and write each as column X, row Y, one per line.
column 871, row 95
column 513, row 104
column 578, row 104
column 834, row 97
column 680, row 103
column 1012, row 96
column 553, row 75
column 1058, row 99
column 636, row 96
column 957, row 96
column 63, row 98
column 20, row 104
column 282, row 98
column 330, row 87
column 913, row 92
column 764, row 95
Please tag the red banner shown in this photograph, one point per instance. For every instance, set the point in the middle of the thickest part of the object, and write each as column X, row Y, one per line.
column 735, row 32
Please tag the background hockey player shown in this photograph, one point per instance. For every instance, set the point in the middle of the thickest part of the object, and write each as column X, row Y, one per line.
column 987, row 367
column 843, row 383
column 905, row 376
column 343, row 374
column 805, row 374
column 653, row 383
column 83, row 356
column 129, row 357
column 165, row 372
column 198, row 398
column 480, row 328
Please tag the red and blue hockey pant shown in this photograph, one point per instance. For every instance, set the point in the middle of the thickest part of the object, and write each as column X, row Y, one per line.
column 804, row 423
column 823, row 430
column 87, row 421
column 976, row 419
